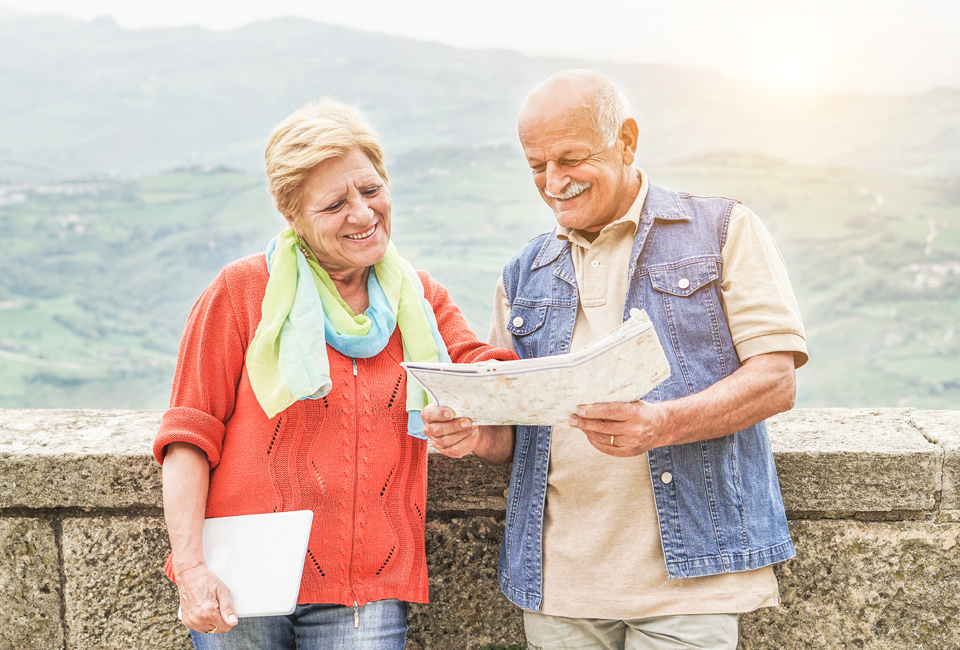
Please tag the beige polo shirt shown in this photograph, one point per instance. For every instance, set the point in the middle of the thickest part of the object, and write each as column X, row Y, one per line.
column 602, row 556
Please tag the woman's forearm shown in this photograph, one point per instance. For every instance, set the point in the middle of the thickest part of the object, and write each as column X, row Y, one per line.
column 186, row 479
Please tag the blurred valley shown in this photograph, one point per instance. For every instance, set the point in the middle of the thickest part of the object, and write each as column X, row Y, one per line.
column 130, row 174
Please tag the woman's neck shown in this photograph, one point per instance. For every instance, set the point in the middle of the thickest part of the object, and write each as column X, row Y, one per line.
column 353, row 289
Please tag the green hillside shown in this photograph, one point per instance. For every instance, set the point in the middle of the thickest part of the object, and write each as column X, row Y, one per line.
column 103, row 273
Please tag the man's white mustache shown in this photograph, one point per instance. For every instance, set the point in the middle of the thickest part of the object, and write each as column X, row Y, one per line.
column 570, row 191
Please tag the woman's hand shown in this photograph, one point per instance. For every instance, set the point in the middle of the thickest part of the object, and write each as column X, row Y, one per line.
column 457, row 437
column 450, row 435
column 205, row 603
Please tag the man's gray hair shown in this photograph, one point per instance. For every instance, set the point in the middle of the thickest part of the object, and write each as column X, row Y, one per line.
column 612, row 110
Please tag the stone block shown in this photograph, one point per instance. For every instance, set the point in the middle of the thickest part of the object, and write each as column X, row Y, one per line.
column 117, row 597
column 462, row 484
column 864, row 586
column 854, row 460
column 78, row 458
column 467, row 609
column 943, row 428
column 29, row 585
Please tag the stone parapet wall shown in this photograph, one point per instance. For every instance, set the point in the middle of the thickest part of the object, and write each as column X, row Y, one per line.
column 873, row 498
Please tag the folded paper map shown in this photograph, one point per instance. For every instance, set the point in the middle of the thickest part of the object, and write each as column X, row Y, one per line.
column 622, row 366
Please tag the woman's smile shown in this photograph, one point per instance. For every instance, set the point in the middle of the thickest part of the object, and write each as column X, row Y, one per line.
column 363, row 235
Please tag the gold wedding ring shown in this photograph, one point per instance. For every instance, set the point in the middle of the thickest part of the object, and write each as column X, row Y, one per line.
column 611, row 439
column 213, row 631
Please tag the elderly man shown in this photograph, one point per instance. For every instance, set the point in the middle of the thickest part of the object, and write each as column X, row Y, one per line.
column 652, row 524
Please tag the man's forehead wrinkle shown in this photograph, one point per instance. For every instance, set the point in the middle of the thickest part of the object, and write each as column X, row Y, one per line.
column 558, row 133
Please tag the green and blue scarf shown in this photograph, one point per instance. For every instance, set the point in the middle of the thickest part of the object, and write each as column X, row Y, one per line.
column 303, row 313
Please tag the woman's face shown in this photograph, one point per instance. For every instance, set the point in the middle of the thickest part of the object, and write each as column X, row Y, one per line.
column 345, row 214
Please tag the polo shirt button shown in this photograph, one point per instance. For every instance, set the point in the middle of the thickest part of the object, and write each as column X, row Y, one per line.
column 595, row 263
column 683, row 283
column 518, row 322
column 666, row 477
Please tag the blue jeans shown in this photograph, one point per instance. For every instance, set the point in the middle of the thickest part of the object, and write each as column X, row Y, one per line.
column 383, row 626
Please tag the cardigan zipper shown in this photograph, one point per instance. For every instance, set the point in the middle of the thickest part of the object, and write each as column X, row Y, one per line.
column 356, row 486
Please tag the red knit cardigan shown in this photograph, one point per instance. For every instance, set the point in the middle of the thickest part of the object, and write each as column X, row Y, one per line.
column 347, row 457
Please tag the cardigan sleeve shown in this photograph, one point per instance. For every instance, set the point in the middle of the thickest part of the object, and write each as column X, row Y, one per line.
column 462, row 344
column 209, row 366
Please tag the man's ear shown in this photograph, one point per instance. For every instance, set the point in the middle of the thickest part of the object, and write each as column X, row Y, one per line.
column 629, row 136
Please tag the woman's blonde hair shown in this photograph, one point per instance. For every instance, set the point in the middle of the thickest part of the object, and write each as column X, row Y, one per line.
column 326, row 128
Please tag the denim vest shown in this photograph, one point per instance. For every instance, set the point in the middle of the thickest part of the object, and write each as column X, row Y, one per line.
column 718, row 501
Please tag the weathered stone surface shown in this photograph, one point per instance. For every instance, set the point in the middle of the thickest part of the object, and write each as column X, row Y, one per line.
column 466, row 484
column 102, row 459
column 29, row 585
column 855, row 460
column 876, row 586
column 467, row 609
column 117, row 597
column 854, row 584
column 943, row 427
column 86, row 459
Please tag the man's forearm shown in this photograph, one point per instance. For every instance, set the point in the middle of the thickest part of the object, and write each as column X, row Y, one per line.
column 762, row 387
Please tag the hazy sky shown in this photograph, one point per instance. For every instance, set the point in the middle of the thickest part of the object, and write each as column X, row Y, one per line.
column 858, row 45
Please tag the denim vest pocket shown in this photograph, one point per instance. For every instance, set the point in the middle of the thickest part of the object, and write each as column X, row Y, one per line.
column 524, row 324
column 689, row 304
column 683, row 281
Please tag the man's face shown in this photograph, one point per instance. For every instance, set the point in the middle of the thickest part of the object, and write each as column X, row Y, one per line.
column 582, row 179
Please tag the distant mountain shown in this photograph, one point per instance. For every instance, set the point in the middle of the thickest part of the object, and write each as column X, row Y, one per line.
column 92, row 98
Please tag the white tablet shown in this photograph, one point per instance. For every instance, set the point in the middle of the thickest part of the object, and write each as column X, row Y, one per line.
column 260, row 558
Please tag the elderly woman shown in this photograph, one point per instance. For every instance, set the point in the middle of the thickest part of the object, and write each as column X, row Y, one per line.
column 289, row 395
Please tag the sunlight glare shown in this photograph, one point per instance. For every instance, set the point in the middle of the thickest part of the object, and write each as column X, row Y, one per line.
column 790, row 73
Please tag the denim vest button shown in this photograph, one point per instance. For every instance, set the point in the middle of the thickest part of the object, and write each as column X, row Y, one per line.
column 683, row 283
column 518, row 322
column 666, row 477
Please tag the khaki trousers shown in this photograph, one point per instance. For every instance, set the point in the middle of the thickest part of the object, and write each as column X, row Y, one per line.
column 700, row 632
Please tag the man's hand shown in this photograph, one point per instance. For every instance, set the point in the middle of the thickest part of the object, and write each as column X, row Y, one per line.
column 450, row 435
column 623, row 429
column 205, row 602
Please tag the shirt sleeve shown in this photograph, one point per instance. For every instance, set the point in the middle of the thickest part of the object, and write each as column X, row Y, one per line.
column 758, row 301
column 499, row 335
column 462, row 344
column 209, row 364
